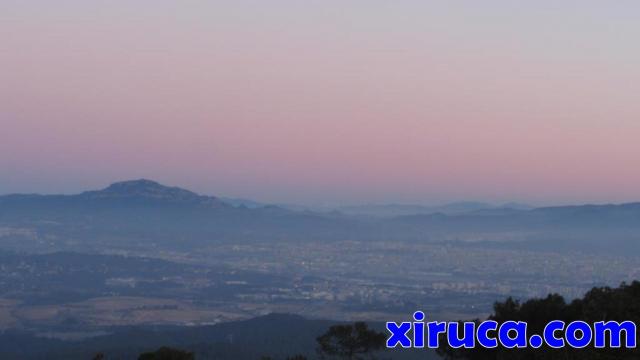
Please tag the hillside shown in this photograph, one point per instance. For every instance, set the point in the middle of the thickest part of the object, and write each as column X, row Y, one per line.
column 142, row 213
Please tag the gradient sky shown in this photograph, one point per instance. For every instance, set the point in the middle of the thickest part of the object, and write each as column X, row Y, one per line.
column 324, row 101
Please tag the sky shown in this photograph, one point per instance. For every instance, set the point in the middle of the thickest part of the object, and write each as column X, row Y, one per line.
column 324, row 102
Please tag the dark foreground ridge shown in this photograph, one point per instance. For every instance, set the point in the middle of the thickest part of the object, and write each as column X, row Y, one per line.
column 275, row 336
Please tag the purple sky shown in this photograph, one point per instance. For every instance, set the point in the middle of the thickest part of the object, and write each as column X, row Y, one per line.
column 324, row 101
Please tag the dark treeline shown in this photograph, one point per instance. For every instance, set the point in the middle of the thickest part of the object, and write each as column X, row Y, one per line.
column 599, row 304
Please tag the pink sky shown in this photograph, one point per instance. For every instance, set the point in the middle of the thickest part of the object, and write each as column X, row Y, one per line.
column 326, row 101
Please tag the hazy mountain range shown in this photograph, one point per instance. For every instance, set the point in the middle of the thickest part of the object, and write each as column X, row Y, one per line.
column 144, row 212
column 385, row 210
column 456, row 208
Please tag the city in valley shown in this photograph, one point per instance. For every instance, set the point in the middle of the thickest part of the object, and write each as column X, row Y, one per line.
column 68, row 294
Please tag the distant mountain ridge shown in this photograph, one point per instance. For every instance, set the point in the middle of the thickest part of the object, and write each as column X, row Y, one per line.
column 456, row 208
column 154, row 213
column 142, row 212
column 150, row 190
column 144, row 188
column 238, row 202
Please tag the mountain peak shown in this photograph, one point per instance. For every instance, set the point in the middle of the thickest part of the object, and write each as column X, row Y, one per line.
column 148, row 189
column 144, row 185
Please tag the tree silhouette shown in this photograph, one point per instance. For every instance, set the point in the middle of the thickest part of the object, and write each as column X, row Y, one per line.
column 165, row 353
column 599, row 304
column 355, row 341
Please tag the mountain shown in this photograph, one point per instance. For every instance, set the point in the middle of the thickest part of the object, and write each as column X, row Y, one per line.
column 456, row 208
column 585, row 217
column 144, row 189
column 143, row 214
column 243, row 202
column 126, row 192
column 605, row 229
